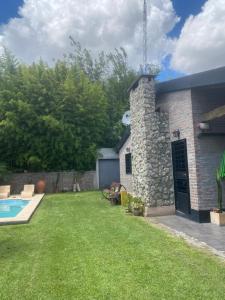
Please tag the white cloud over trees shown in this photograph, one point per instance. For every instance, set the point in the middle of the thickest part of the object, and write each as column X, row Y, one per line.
column 44, row 27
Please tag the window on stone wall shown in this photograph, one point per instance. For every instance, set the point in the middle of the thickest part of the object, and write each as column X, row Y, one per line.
column 128, row 163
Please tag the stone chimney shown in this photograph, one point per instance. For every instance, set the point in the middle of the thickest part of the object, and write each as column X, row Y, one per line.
column 151, row 147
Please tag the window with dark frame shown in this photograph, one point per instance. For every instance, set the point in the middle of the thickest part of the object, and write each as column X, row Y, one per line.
column 128, row 163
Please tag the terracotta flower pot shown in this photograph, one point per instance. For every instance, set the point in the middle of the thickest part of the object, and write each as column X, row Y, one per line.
column 40, row 186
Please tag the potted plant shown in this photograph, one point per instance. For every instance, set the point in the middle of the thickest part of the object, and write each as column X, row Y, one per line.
column 217, row 215
column 129, row 208
column 138, row 206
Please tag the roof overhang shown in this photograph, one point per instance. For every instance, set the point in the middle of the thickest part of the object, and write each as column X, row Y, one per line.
column 215, row 77
column 123, row 139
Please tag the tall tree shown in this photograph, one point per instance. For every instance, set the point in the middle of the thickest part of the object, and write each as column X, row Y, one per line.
column 55, row 117
column 115, row 75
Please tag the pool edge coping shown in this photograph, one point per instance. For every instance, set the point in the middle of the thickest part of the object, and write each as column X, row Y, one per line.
column 27, row 212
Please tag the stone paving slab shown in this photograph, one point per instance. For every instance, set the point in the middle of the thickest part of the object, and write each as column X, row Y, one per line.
column 204, row 235
column 26, row 213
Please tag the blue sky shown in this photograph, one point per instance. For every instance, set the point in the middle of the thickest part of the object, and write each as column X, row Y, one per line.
column 8, row 9
column 44, row 27
column 183, row 8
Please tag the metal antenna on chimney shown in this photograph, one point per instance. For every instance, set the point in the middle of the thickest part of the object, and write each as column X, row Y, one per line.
column 147, row 68
column 145, row 37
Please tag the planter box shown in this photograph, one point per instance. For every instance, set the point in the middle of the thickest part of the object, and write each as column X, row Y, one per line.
column 217, row 218
column 159, row 211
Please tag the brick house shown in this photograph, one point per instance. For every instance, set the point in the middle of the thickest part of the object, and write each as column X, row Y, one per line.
column 175, row 143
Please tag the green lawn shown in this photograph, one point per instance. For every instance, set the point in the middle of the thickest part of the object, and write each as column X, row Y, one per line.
column 79, row 247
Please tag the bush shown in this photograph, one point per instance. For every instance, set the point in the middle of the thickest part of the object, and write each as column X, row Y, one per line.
column 4, row 171
column 34, row 163
column 135, row 203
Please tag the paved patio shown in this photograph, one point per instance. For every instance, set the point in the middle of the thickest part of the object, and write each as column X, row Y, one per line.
column 203, row 235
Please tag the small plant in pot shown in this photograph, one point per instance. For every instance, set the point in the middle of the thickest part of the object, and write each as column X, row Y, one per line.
column 138, row 206
column 129, row 208
column 217, row 215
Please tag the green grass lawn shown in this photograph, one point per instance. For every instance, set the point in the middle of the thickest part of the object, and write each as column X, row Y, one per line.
column 79, row 247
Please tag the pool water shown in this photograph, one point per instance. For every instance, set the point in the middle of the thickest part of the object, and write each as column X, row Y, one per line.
column 11, row 208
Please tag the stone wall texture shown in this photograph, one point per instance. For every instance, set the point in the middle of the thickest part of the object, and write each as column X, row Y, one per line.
column 125, row 179
column 87, row 181
column 151, row 149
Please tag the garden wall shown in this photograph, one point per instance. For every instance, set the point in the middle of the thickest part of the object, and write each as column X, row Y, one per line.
column 55, row 181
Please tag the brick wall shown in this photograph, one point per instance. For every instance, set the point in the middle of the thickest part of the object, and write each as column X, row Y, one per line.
column 125, row 179
column 185, row 110
column 87, row 181
column 179, row 106
column 209, row 149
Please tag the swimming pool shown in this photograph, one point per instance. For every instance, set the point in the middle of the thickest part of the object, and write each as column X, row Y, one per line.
column 11, row 208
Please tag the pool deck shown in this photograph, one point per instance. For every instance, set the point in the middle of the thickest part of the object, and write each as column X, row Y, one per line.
column 25, row 215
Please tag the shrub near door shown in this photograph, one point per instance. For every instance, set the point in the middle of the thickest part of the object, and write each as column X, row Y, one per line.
column 138, row 206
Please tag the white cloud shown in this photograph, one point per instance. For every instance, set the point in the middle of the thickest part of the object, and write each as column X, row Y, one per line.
column 44, row 27
column 201, row 45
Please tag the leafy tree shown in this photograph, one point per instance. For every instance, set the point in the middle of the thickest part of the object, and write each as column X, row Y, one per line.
column 55, row 117
column 116, row 76
column 4, row 172
column 116, row 88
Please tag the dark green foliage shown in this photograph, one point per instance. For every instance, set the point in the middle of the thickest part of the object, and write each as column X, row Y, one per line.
column 116, row 90
column 115, row 76
column 34, row 163
column 4, row 172
column 54, row 118
column 222, row 168
column 220, row 176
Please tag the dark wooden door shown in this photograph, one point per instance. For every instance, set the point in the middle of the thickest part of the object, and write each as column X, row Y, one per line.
column 181, row 177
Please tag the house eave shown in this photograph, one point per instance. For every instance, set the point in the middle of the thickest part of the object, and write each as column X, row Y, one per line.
column 209, row 78
column 123, row 139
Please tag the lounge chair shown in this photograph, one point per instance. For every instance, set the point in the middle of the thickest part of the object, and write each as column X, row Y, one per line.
column 4, row 191
column 28, row 191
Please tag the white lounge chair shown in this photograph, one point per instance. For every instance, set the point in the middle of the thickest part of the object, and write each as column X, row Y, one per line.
column 28, row 191
column 4, row 191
